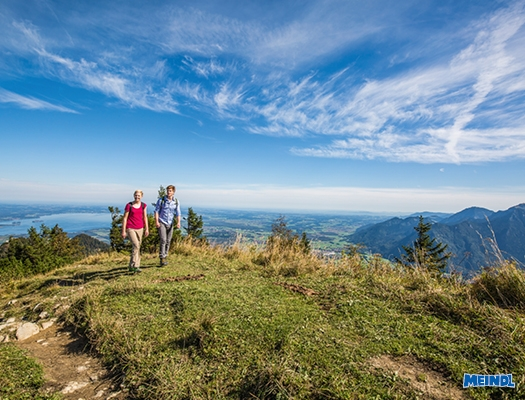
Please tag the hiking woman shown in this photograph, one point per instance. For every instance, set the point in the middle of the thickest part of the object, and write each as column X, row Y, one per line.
column 134, row 226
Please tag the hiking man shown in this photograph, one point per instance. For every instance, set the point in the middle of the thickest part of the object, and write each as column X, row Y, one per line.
column 166, row 210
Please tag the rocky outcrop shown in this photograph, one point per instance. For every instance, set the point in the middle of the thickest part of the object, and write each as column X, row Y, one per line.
column 22, row 330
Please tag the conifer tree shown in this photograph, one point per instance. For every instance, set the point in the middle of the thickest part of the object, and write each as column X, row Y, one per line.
column 305, row 244
column 161, row 194
column 283, row 238
column 426, row 252
column 194, row 226
column 281, row 231
column 115, row 233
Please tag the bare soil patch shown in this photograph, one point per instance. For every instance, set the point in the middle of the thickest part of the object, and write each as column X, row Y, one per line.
column 298, row 289
column 179, row 278
column 421, row 378
column 70, row 367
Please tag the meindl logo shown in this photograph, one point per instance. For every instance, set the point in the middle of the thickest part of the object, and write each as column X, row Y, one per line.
column 475, row 380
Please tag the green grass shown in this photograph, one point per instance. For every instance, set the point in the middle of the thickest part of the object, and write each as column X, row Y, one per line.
column 21, row 377
column 242, row 332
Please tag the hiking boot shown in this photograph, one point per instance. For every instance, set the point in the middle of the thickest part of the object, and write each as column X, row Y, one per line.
column 137, row 270
column 162, row 262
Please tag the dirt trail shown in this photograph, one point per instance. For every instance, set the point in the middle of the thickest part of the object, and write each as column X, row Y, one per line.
column 431, row 384
column 69, row 367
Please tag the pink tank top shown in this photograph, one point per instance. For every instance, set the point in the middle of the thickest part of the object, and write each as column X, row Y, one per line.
column 136, row 216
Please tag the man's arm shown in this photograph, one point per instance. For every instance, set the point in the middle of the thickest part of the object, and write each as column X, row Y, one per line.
column 177, row 213
column 156, row 213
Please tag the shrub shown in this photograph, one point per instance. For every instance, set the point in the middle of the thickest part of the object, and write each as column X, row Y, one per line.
column 40, row 252
column 503, row 285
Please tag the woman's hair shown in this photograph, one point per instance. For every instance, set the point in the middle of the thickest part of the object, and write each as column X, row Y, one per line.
column 138, row 191
column 171, row 187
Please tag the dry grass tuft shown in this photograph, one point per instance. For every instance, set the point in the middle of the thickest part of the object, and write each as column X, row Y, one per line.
column 503, row 285
column 104, row 257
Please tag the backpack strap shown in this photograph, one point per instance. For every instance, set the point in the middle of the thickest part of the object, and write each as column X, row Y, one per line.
column 142, row 205
column 163, row 202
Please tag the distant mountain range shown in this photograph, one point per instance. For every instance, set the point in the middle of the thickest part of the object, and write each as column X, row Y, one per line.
column 477, row 237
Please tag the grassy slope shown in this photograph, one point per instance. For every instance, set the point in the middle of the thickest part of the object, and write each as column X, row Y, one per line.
column 246, row 331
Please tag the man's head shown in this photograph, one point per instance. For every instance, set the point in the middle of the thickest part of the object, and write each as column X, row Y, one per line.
column 170, row 190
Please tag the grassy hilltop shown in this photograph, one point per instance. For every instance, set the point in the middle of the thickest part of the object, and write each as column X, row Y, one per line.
column 249, row 323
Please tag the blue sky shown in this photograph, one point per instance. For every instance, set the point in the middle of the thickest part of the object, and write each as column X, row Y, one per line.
column 286, row 105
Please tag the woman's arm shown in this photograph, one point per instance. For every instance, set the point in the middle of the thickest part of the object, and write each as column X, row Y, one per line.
column 146, row 225
column 124, row 224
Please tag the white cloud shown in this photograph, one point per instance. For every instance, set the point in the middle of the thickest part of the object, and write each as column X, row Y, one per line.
column 120, row 80
column 276, row 35
column 122, row 86
column 30, row 103
column 427, row 115
column 45, row 192
column 350, row 198
column 208, row 68
column 278, row 198
column 268, row 73
column 475, row 146
column 227, row 97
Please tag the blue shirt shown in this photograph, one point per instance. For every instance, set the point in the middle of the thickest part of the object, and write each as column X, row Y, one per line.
column 167, row 211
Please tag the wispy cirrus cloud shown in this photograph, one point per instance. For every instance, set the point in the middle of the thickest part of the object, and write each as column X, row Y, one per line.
column 207, row 69
column 478, row 146
column 122, row 85
column 31, row 103
column 445, row 113
column 202, row 39
column 282, row 36
column 113, row 75
column 266, row 69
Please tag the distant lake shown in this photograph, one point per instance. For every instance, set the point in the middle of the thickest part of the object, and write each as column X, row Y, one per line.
column 69, row 222
column 326, row 231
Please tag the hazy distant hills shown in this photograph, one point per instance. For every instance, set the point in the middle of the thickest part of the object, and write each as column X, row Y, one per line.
column 473, row 236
